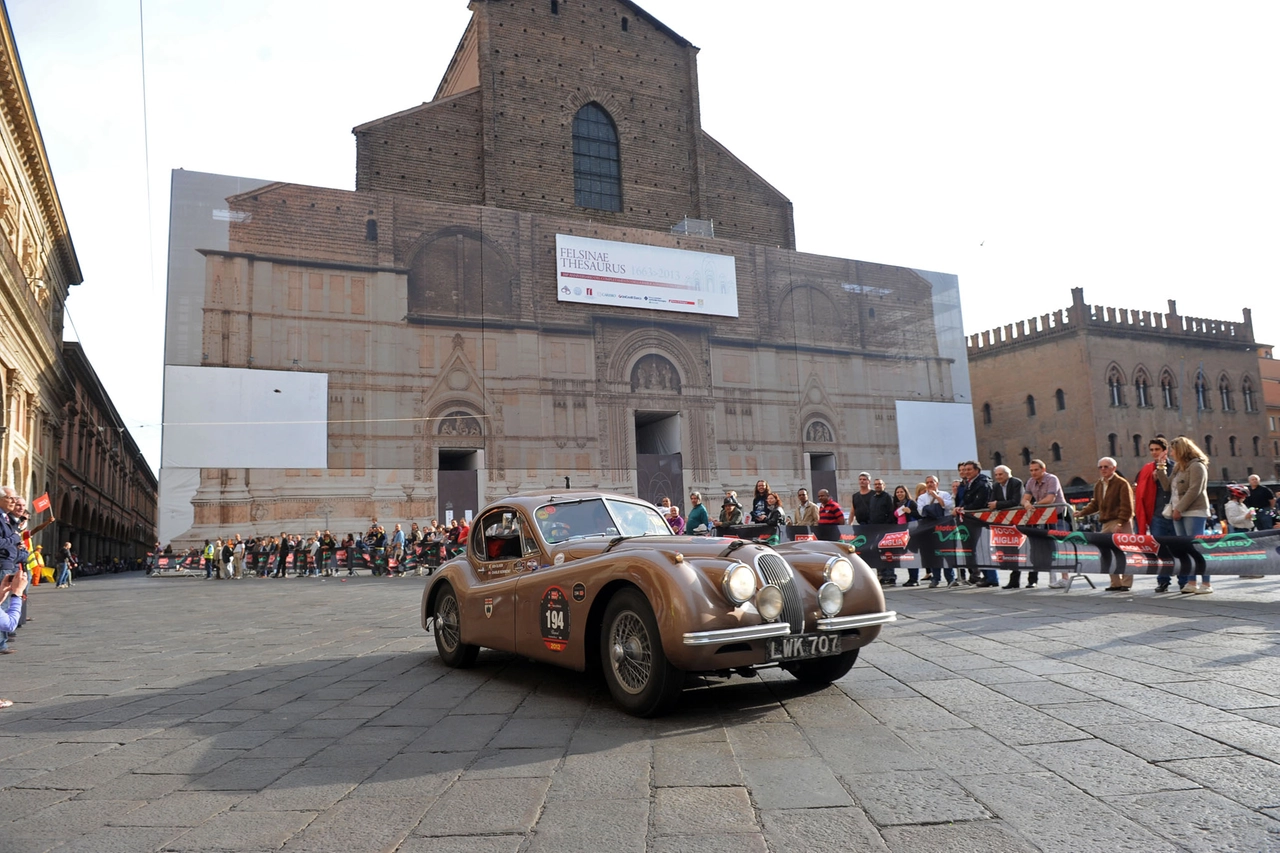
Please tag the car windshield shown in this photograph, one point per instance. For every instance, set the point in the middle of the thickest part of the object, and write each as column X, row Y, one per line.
column 561, row 522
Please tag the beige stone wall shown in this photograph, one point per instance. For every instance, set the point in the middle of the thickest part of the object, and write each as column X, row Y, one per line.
column 461, row 320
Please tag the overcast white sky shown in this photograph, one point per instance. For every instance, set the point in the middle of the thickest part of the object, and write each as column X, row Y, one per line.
column 1128, row 148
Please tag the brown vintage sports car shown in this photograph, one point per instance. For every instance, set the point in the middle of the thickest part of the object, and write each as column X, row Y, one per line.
column 593, row 579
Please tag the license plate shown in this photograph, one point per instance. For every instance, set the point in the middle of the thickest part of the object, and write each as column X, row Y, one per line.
column 803, row 646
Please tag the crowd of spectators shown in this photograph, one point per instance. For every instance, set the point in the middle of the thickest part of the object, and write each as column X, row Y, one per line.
column 1170, row 499
column 418, row 550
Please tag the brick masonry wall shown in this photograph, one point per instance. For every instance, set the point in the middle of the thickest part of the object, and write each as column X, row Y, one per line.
column 433, row 151
column 742, row 205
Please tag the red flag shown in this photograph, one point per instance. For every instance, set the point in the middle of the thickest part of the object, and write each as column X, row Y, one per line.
column 41, row 504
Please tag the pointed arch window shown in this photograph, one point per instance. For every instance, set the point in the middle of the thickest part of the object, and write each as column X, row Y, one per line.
column 597, row 167
column 1061, row 397
column 1246, row 394
column 1115, row 384
column 1202, row 396
column 1140, row 385
column 998, row 458
column 1167, row 390
column 1056, row 450
column 1224, row 393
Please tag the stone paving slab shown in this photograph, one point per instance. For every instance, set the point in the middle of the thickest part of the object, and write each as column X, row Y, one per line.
column 1019, row 721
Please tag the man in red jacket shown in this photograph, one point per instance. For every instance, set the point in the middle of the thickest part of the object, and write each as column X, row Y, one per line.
column 1151, row 491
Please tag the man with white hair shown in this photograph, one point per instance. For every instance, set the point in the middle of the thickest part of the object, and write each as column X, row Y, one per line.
column 1263, row 500
column 1113, row 502
column 1006, row 493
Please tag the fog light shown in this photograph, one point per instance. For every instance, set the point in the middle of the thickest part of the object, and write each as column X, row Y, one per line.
column 840, row 572
column 739, row 583
column 830, row 599
column 769, row 603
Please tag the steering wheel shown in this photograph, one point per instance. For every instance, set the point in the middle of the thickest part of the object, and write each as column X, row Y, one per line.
column 558, row 531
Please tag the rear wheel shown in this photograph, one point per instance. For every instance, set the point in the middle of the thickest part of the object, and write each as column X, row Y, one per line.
column 448, row 630
column 643, row 683
column 823, row 670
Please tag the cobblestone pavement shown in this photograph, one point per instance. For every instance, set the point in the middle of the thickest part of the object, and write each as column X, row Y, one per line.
column 312, row 715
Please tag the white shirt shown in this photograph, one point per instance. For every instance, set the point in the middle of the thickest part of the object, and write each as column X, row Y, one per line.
column 944, row 498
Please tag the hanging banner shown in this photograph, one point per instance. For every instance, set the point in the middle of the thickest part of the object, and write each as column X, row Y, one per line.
column 632, row 275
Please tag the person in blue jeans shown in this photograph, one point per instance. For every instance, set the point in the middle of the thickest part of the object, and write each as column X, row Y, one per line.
column 1151, row 498
column 1190, row 489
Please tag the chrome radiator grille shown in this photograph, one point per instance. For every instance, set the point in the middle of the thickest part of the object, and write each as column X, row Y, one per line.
column 775, row 570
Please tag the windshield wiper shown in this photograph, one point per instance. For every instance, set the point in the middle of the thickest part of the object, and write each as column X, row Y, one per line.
column 614, row 541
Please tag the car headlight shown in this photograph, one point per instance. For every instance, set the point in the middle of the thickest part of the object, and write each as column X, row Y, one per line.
column 830, row 599
column 769, row 602
column 840, row 572
column 739, row 583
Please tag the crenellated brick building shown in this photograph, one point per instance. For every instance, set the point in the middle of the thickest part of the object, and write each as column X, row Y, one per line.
column 1091, row 381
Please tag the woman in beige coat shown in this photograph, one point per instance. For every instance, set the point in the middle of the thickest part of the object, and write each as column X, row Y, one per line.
column 1190, row 504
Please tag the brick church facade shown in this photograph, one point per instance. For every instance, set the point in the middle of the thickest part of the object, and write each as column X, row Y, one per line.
column 428, row 297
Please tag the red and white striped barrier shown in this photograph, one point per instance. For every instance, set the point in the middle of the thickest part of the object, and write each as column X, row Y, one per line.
column 1035, row 515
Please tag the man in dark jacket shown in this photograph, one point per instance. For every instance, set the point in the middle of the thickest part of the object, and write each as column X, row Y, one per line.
column 977, row 496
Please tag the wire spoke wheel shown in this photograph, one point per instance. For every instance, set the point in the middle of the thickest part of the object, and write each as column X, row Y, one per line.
column 447, row 622
column 641, row 679
column 631, row 653
column 448, row 629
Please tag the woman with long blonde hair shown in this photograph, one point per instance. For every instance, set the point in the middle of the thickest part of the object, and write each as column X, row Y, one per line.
column 1190, row 504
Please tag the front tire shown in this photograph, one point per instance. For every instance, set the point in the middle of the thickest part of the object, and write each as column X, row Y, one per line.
column 448, row 630
column 641, row 679
column 824, row 670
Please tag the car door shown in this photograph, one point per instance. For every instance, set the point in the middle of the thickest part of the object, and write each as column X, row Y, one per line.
column 496, row 554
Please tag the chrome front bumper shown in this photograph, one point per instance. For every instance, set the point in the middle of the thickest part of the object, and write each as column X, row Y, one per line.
column 737, row 635
column 864, row 620
column 782, row 629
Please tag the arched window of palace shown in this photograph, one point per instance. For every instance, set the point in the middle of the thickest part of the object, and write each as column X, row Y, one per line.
column 1168, row 391
column 986, row 414
column 1246, row 392
column 1140, row 385
column 1224, row 392
column 1031, row 406
column 1115, row 385
column 1026, row 456
column 1202, row 395
column 1056, row 450
column 597, row 168
column 997, row 458
column 1061, row 397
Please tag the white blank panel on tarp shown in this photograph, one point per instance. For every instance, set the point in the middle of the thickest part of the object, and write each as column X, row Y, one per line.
column 935, row 436
column 177, row 514
column 230, row 417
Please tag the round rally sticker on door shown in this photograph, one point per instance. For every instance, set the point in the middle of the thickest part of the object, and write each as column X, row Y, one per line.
column 554, row 614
